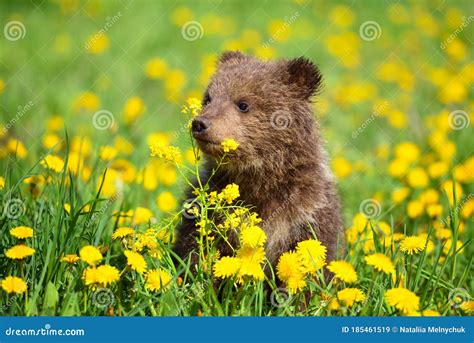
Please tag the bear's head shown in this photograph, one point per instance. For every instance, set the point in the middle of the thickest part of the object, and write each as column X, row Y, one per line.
column 264, row 106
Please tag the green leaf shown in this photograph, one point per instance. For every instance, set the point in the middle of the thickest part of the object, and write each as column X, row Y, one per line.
column 71, row 306
column 51, row 299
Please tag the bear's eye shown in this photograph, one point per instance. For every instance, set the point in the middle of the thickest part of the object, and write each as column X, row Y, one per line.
column 243, row 106
column 206, row 100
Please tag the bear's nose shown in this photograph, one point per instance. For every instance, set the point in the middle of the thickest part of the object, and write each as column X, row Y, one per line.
column 200, row 125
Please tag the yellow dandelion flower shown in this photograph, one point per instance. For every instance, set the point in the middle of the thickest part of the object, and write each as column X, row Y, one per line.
column 19, row 252
column 107, row 274
column 381, row 262
column 289, row 270
column 434, row 210
column 227, row 267
column 67, row 208
column 442, row 233
column 229, row 145
column 449, row 245
column 407, row 151
column 397, row 236
column 430, row 313
column 157, row 280
column 22, row 232
column 133, row 108
column 90, row 254
column 350, row 296
column 122, row 232
column 102, row 275
column 415, row 208
column 166, row 201
column 252, row 269
column 418, row 178
column 90, row 276
column 13, row 284
column 312, row 255
column 334, row 305
column 398, row 168
column 107, row 152
column 142, row 215
column 53, row 162
column 342, row 167
column 412, row 245
column 70, row 258
column 156, row 68
column 229, row 193
column 135, row 261
column 251, row 260
column 468, row 307
column 252, row 236
column 97, row 43
column 343, row 270
column 400, row 194
column 404, row 300
column 17, row 148
column 251, row 255
column 412, row 314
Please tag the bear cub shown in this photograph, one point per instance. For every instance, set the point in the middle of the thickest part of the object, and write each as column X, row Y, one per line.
column 280, row 165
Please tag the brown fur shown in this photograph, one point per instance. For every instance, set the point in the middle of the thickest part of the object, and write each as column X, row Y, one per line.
column 281, row 171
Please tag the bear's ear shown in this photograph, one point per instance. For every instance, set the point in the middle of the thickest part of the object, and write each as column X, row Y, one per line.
column 231, row 57
column 305, row 75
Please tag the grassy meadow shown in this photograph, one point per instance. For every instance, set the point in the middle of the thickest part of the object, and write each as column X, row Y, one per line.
column 95, row 152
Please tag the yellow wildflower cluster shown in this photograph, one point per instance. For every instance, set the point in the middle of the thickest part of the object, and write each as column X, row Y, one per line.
column 229, row 145
column 229, row 193
column 192, row 108
column 168, row 153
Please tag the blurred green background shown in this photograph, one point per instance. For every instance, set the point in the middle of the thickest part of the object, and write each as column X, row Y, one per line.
column 388, row 67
